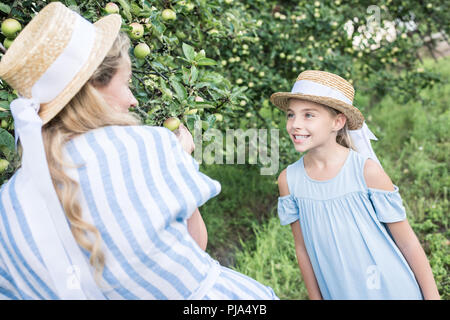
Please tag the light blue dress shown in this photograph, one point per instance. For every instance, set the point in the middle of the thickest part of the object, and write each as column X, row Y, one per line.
column 343, row 221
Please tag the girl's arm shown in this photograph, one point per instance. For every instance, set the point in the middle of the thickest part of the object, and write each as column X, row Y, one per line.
column 413, row 252
column 197, row 229
column 300, row 249
column 305, row 264
column 404, row 236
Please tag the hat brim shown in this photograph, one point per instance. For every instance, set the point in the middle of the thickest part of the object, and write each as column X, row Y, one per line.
column 107, row 29
column 355, row 119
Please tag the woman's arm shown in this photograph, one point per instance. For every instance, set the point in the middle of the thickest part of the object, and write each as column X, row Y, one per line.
column 300, row 249
column 197, row 229
column 404, row 236
column 196, row 225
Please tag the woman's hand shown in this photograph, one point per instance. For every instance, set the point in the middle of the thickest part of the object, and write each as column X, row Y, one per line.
column 185, row 138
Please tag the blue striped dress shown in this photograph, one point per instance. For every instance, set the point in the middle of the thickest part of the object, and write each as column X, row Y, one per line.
column 138, row 187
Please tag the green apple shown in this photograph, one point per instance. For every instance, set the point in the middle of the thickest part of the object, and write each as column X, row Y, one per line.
column 7, row 43
column 172, row 123
column 218, row 116
column 10, row 28
column 190, row 7
column 3, row 164
column 213, row 31
column 111, row 7
column 169, row 14
column 141, row 50
column 192, row 111
column 180, row 34
column 137, row 31
column 4, row 124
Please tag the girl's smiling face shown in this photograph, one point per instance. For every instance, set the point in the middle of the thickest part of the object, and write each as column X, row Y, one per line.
column 118, row 93
column 310, row 124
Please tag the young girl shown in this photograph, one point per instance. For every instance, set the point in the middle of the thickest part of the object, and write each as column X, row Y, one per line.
column 351, row 234
column 102, row 206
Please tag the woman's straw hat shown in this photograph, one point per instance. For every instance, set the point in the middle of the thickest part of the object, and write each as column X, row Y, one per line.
column 324, row 88
column 39, row 45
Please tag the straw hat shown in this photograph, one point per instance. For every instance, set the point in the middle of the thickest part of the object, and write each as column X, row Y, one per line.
column 324, row 88
column 39, row 45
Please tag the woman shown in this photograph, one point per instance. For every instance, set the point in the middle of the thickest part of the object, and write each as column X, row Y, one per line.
column 110, row 211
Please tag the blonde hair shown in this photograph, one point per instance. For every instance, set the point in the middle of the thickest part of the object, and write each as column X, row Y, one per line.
column 86, row 111
column 342, row 137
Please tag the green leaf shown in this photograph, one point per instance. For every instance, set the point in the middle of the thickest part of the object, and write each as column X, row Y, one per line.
column 186, row 75
column 203, row 105
column 4, row 105
column 180, row 91
column 206, row 62
column 211, row 119
column 135, row 9
column 190, row 121
column 5, row 8
column 125, row 9
column 7, row 140
column 194, row 75
column 3, row 95
column 71, row 3
column 188, row 51
column 158, row 28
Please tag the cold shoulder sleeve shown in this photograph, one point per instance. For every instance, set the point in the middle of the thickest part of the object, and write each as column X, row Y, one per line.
column 388, row 205
column 287, row 210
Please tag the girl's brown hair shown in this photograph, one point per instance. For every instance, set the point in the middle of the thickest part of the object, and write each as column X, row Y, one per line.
column 342, row 137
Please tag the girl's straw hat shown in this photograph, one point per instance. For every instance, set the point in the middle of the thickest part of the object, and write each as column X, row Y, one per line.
column 324, row 88
column 41, row 42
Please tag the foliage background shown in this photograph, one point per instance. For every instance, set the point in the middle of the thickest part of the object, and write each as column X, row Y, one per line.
column 235, row 54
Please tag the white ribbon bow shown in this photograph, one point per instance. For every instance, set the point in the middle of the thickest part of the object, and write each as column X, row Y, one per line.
column 361, row 140
column 67, row 266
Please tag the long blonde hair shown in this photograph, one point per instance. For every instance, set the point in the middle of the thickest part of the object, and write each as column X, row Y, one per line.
column 86, row 111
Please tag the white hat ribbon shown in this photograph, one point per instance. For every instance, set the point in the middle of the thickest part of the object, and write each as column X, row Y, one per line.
column 67, row 266
column 361, row 140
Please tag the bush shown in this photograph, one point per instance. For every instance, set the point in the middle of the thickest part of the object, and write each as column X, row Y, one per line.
column 225, row 58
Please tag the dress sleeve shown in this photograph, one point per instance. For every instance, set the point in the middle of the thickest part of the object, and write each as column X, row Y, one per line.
column 287, row 210
column 388, row 205
column 202, row 186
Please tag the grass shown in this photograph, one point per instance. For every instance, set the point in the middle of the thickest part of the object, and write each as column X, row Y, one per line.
column 413, row 147
column 246, row 199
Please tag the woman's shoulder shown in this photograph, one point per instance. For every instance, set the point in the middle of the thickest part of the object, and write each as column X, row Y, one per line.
column 129, row 130
column 123, row 135
column 116, row 143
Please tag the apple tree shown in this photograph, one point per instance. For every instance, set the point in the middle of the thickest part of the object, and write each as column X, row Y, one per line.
column 219, row 61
